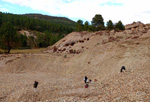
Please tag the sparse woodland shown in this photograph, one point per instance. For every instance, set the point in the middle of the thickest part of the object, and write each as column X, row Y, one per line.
column 47, row 31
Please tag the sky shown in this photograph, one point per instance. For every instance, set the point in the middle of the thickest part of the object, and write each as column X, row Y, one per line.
column 127, row 11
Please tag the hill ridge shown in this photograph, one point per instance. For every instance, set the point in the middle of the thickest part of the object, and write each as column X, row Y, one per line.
column 46, row 16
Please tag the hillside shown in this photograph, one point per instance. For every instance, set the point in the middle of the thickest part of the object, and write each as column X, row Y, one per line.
column 54, row 19
column 39, row 31
column 38, row 22
column 61, row 68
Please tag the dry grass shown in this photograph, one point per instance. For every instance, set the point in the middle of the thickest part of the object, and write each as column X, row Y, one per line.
column 14, row 51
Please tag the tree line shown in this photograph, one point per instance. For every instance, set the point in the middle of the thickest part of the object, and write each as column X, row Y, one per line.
column 53, row 19
column 97, row 24
column 24, row 22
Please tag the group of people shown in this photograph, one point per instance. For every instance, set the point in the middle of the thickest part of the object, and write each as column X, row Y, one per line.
column 86, row 81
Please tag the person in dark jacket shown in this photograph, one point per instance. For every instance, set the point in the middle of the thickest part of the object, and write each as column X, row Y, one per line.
column 85, row 79
column 122, row 68
column 35, row 85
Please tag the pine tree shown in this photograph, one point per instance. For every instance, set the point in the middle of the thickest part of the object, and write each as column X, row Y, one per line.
column 86, row 25
column 110, row 25
column 98, row 22
column 119, row 26
column 8, row 36
column 79, row 25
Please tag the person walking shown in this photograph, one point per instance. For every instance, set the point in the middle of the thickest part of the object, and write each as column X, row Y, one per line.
column 85, row 79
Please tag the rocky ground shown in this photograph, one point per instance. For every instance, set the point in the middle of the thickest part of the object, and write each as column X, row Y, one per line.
column 61, row 68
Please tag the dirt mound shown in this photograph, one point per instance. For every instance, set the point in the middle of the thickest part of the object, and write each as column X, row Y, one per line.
column 77, row 42
column 61, row 68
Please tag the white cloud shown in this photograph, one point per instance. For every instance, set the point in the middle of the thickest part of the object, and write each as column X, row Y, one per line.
column 125, row 10
column 4, row 10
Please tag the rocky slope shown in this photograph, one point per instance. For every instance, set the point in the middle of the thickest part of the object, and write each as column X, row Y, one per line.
column 61, row 68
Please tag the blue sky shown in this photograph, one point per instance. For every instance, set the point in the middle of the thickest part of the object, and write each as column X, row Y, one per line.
column 17, row 9
column 125, row 10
